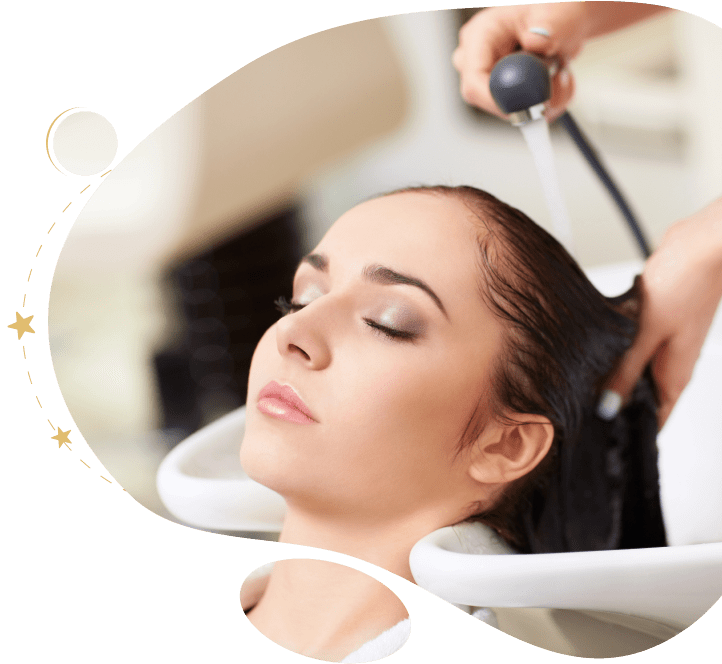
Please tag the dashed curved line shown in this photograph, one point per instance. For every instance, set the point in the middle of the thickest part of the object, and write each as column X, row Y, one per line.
column 47, row 136
column 37, row 399
column 38, row 253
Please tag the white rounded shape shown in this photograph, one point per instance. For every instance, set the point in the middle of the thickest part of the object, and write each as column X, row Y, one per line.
column 202, row 483
column 673, row 585
column 85, row 143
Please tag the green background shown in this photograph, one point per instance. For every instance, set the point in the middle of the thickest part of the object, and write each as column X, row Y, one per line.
column 88, row 574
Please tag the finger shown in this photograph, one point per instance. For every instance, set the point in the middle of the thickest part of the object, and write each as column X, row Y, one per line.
column 457, row 59
column 553, row 29
column 625, row 377
column 487, row 47
column 562, row 93
column 672, row 369
column 475, row 91
column 563, row 82
column 663, row 413
column 539, row 44
column 478, row 52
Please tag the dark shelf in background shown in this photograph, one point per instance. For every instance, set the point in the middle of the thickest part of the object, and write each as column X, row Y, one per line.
column 224, row 299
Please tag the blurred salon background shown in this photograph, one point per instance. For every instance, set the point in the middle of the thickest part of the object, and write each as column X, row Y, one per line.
column 168, row 278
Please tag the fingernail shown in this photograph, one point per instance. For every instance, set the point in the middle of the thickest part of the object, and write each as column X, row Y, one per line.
column 540, row 31
column 564, row 77
column 609, row 405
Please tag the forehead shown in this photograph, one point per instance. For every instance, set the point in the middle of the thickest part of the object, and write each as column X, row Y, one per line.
column 426, row 235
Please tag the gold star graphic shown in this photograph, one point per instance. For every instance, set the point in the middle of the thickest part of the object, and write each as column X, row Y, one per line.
column 22, row 325
column 62, row 437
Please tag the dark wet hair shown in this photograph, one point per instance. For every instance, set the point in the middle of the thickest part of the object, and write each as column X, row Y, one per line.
column 562, row 339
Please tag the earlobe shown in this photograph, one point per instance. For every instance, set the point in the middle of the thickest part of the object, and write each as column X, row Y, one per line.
column 506, row 452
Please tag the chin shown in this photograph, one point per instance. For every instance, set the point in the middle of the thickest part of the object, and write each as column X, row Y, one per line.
column 257, row 459
column 265, row 457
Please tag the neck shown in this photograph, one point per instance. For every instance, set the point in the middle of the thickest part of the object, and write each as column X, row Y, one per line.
column 327, row 610
column 383, row 543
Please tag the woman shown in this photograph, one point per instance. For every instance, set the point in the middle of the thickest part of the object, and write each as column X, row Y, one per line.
column 439, row 354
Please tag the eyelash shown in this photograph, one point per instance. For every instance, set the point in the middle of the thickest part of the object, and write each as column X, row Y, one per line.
column 289, row 307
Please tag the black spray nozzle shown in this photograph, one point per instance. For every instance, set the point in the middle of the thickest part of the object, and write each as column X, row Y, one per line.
column 518, row 82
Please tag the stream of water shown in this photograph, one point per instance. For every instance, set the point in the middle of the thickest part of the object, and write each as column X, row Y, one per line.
column 536, row 134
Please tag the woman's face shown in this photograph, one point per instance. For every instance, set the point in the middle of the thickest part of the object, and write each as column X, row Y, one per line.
column 390, row 353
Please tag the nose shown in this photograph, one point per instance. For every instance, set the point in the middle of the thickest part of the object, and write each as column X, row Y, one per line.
column 303, row 337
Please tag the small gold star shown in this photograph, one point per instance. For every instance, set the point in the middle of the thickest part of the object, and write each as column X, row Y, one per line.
column 62, row 437
column 22, row 325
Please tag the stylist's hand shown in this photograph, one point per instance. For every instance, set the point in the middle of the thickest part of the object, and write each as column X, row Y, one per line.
column 496, row 32
column 681, row 288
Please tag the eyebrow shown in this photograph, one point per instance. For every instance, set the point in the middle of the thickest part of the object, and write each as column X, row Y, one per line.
column 380, row 275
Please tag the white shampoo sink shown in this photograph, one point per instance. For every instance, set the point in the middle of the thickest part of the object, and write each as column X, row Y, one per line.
column 202, row 482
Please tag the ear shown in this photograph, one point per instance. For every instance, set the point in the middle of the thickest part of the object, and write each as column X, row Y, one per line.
column 504, row 452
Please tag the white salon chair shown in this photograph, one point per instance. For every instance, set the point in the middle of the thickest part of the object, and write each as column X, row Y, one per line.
column 655, row 592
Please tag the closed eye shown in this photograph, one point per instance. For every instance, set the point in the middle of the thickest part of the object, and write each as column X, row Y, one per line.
column 396, row 335
column 288, row 307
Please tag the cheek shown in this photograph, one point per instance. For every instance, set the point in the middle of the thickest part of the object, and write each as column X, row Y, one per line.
column 414, row 404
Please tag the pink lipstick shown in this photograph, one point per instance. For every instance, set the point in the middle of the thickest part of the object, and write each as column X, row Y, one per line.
column 280, row 401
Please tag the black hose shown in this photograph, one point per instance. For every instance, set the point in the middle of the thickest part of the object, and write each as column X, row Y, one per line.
column 568, row 122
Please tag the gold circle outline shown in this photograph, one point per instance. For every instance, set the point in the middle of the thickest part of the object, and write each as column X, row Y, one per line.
column 47, row 138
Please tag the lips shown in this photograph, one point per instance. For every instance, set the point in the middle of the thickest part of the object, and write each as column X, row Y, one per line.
column 281, row 402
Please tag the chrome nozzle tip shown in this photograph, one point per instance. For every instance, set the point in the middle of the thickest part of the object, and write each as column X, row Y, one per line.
column 520, row 118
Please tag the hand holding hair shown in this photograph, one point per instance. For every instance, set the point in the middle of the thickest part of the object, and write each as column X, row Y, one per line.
column 681, row 288
column 552, row 30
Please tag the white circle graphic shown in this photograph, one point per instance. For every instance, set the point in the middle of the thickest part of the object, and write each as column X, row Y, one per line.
column 85, row 143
